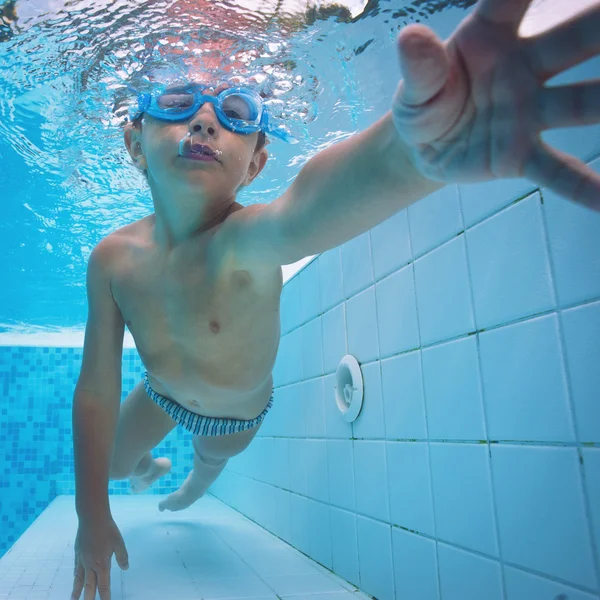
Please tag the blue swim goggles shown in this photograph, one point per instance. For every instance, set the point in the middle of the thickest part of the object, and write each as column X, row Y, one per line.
column 239, row 109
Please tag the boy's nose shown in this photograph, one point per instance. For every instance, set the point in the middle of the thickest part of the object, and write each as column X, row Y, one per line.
column 205, row 120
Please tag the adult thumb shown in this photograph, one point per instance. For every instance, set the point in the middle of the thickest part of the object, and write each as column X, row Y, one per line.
column 424, row 62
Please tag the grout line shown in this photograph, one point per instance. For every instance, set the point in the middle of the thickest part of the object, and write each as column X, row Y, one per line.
column 428, row 441
column 385, row 452
column 485, row 423
column 347, row 351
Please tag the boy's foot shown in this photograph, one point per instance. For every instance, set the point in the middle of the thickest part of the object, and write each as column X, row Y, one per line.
column 191, row 490
column 158, row 468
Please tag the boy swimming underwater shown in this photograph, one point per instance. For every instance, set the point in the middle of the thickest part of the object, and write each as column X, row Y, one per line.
column 198, row 282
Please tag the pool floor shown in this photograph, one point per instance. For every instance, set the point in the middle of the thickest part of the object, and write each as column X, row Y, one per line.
column 206, row 551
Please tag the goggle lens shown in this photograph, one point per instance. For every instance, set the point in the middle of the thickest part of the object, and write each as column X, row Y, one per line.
column 175, row 101
column 234, row 105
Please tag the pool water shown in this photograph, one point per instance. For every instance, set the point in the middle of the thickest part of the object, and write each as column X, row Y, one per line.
column 473, row 469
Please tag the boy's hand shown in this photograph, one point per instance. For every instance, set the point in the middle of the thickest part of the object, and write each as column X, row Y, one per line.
column 94, row 546
column 472, row 108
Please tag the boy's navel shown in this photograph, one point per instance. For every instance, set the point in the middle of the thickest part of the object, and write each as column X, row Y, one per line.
column 214, row 327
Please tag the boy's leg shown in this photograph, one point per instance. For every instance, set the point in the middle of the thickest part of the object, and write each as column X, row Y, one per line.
column 142, row 425
column 211, row 454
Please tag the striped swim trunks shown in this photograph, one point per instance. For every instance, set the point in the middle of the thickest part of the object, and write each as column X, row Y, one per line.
column 199, row 425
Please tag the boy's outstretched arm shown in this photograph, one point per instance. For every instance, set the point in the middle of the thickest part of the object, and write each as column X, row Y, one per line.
column 468, row 109
column 341, row 192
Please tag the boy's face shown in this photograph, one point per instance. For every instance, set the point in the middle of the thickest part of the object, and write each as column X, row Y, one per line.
column 155, row 147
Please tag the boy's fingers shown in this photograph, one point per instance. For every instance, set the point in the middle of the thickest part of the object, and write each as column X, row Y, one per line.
column 565, row 45
column 90, row 585
column 507, row 13
column 78, row 583
column 424, row 63
column 564, row 175
column 104, row 584
column 569, row 105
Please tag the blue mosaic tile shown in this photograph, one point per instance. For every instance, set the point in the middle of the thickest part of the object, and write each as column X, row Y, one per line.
column 36, row 436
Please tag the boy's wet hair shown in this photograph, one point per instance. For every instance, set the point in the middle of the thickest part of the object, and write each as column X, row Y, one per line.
column 260, row 143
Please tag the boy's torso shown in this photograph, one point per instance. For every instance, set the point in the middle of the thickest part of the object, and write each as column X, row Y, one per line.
column 206, row 330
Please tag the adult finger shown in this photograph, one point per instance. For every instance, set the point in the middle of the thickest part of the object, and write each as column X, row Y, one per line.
column 506, row 13
column 569, row 105
column 568, row 44
column 565, row 175
column 424, row 63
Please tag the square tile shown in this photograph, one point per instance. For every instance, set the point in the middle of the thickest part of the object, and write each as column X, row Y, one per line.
column 462, row 496
column 288, row 364
column 300, row 523
column 330, row 278
column 291, row 309
column 371, row 479
column 541, row 515
column 361, row 322
column 524, row 382
column 466, row 576
column 397, row 312
column 314, row 409
column 581, row 326
column 526, row 586
column 451, row 379
column 443, row 293
column 375, row 556
column 310, row 298
column 320, row 533
column 357, row 265
column 390, row 245
column 403, row 400
column 334, row 338
column 434, row 220
column 312, row 349
column 509, row 265
column 340, row 464
column 298, row 471
column 415, row 566
column 480, row 200
column 315, row 455
column 344, row 544
column 411, row 503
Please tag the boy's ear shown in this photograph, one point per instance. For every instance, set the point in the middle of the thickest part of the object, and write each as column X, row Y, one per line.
column 257, row 164
column 133, row 142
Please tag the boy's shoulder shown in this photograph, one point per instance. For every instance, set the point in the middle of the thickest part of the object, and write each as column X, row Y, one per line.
column 112, row 247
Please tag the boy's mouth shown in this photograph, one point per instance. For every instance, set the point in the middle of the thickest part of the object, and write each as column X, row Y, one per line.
column 200, row 152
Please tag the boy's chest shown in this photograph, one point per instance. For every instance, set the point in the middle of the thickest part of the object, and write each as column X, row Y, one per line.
column 185, row 313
